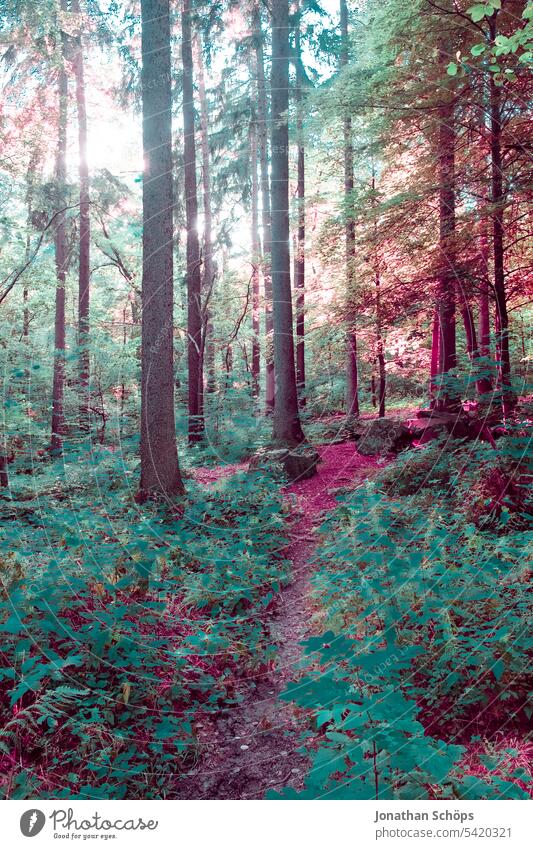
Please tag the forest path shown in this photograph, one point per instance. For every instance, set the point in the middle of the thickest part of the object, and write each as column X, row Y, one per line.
column 251, row 747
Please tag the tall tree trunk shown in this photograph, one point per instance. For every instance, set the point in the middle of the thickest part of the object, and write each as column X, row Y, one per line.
column 484, row 310
column 380, row 356
column 434, row 367
column 30, row 181
column 208, row 275
column 498, row 202
column 287, row 427
column 299, row 257
column 256, row 255
column 85, row 227
column 483, row 384
column 262, row 122
column 194, row 279
column 446, row 278
column 61, row 260
column 160, row 472
column 352, row 378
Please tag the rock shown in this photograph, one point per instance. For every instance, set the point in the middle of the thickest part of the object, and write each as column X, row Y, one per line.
column 380, row 436
column 294, row 463
column 461, row 425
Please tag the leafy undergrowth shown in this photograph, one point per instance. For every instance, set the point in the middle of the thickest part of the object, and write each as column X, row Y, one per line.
column 122, row 625
column 420, row 685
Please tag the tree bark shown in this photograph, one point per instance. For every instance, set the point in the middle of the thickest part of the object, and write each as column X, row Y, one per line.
column 30, row 181
column 299, row 261
column 484, row 311
column 61, row 260
column 434, row 367
column 483, row 384
column 447, row 272
column 160, row 474
column 194, row 279
column 85, row 228
column 380, row 356
column 498, row 202
column 256, row 258
column 262, row 125
column 352, row 378
column 287, row 427
column 208, row 271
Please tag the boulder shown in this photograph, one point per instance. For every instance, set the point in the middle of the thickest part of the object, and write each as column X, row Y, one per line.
column 380, row 436
column 294, row 463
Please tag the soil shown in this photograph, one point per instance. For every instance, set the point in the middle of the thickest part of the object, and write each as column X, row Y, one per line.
column 253, row 747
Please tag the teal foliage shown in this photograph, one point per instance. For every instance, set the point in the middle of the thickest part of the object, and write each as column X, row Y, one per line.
column 428, row 639
column 121, row 624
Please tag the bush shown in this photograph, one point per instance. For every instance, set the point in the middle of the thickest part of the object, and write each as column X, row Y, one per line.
column 120, row 627
column 428, row 642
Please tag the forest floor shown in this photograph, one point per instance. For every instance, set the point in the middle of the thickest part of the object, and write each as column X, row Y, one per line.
column 252, row 747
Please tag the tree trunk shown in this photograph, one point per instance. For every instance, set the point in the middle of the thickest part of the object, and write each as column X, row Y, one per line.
column 299, row 260
column 208, row 276
column 287, row 427
column 446, row 277
column 352, row 380
column 256, row 254
column 380, row 356
column 85, row 228
column 483, row 384
column 498, row 201
column 61, row 260
column 484, row 310
column 194, row 279
column 434, row 367
column 262, row 122
column 30, row 178
column 160, row 472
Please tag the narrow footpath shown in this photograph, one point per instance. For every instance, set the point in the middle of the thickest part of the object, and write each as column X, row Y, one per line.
column 252, row 747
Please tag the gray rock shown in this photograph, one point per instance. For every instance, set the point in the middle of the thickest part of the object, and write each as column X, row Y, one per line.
column 380, row 436
column 294, row 463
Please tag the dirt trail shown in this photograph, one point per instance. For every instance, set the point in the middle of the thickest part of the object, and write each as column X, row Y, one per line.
column 252, row 747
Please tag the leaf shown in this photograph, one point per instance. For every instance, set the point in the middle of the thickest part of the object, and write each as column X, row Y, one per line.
column 480, row 11
column 452, row 69
column 477, row 49
column 498, row 669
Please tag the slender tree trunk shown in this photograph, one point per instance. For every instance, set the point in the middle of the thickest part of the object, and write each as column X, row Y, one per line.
column 352, row 379
column 30, row 178
column 484, row 385
column 467, row 314
column 262, row 122
column 446, row 280
column 160, row 474
column 434, row 367
column 194, row 280
column 85, row 228
column 380, row 356
column 208, row 276
column 287, row 427
column 299, row 263
column 484, row 310
column 256, row 256
column 61, row 260
column 470, row 330
column 498, row 201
